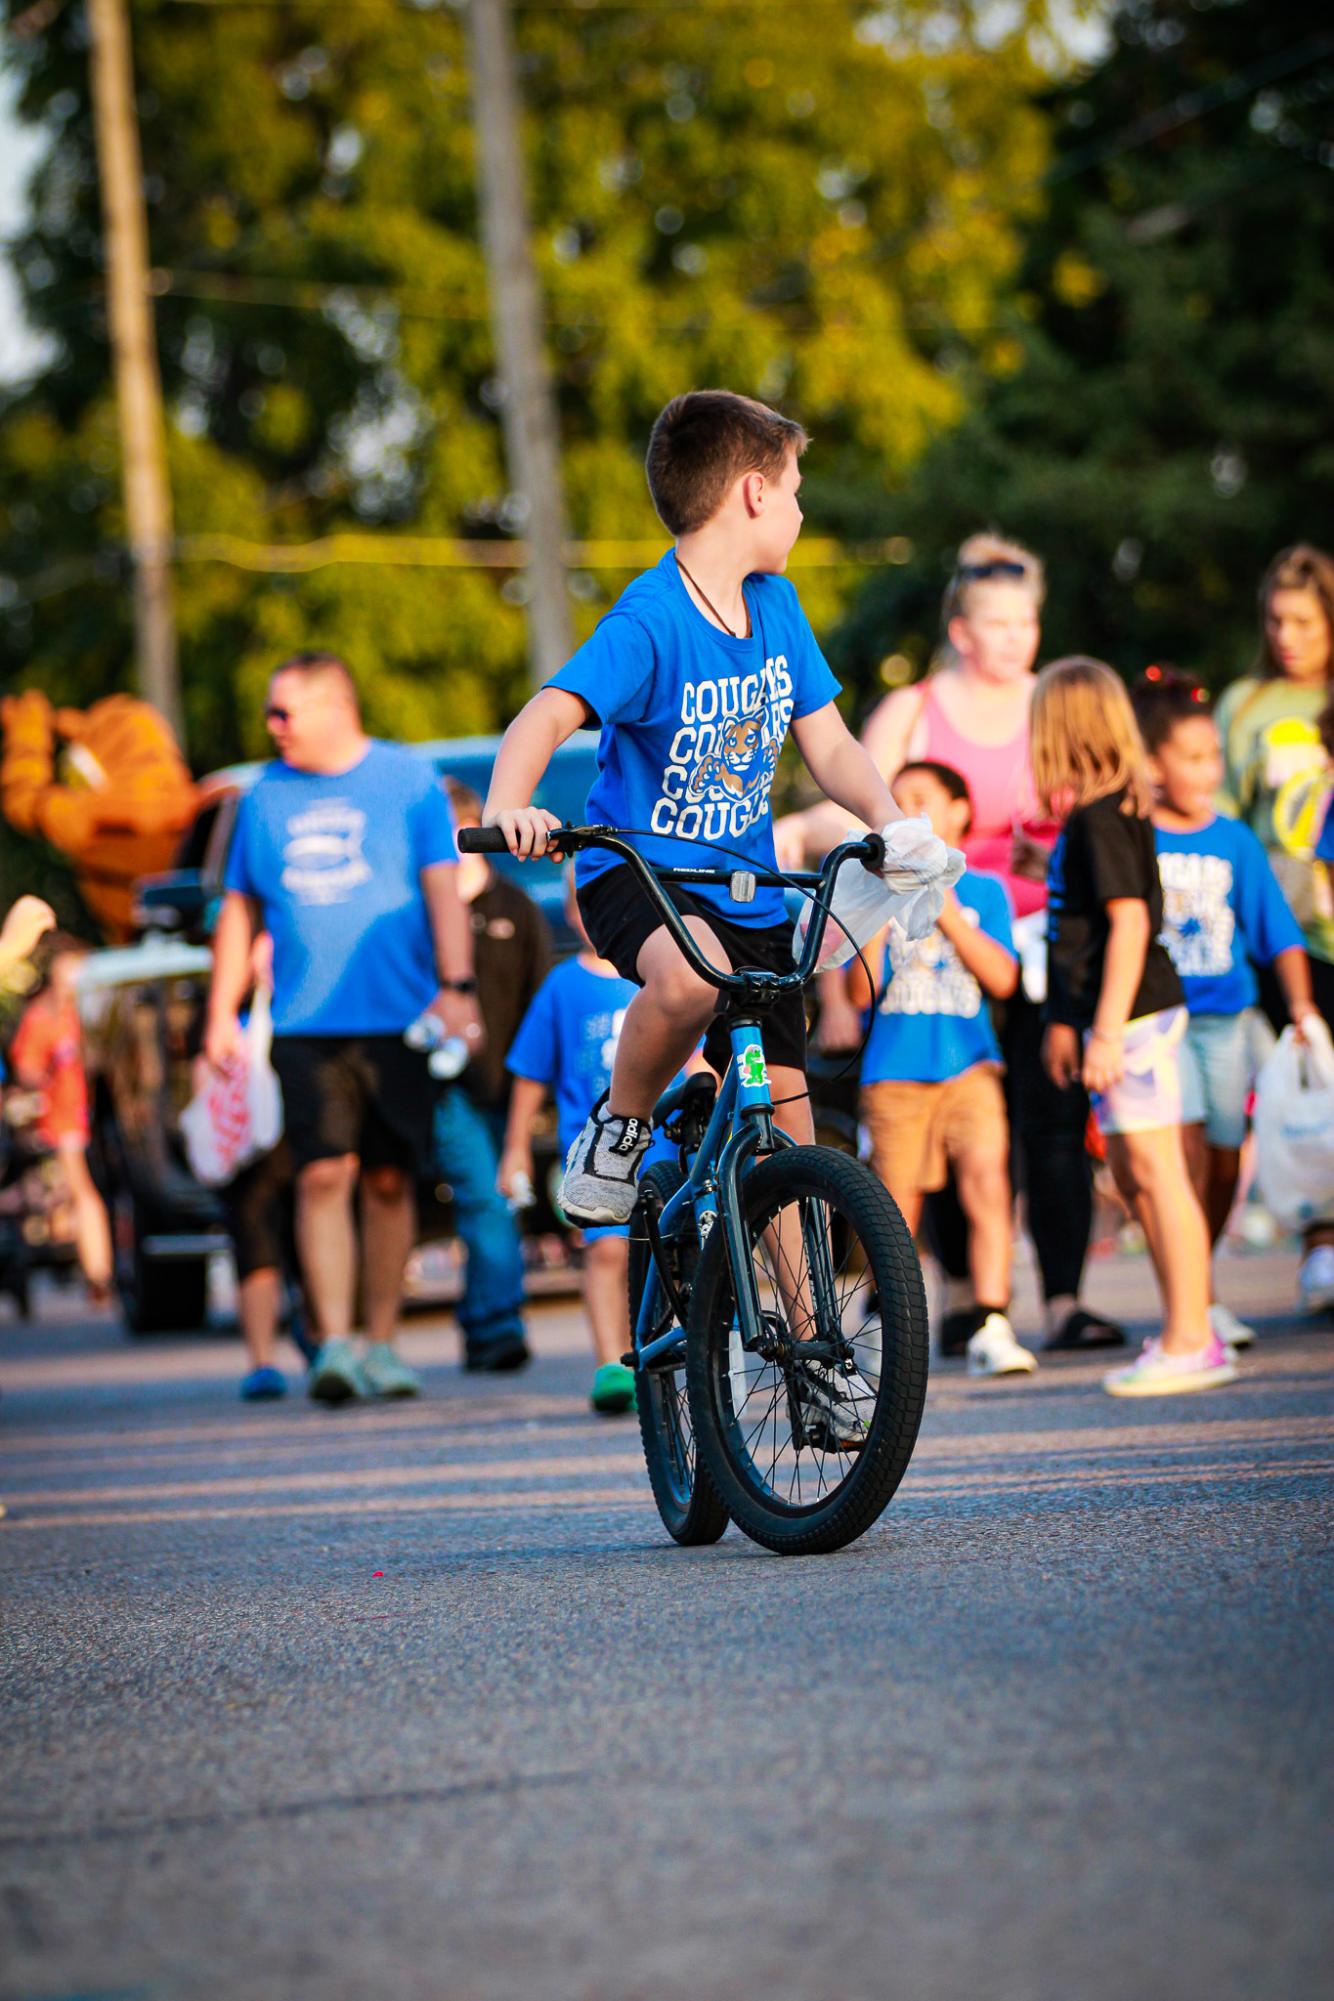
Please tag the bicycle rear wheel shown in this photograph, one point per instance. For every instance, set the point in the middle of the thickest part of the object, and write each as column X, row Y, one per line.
column 686, row 1497
column 808, row 1434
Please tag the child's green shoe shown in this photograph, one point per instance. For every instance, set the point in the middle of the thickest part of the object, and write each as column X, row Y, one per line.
column 613, row 1389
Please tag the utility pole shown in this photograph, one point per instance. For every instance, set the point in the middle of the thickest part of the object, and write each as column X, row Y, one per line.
column 138, row 385
column 528, row 406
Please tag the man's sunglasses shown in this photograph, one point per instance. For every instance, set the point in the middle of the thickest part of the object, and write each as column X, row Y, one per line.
column 273, row 714
column 999, row 566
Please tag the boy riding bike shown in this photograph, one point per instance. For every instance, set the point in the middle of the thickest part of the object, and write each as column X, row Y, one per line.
column 694, row 676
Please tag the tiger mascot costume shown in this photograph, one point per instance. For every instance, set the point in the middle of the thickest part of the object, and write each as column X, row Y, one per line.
column 108, row 786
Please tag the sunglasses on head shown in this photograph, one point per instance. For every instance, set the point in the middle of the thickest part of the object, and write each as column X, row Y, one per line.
column 998, row 566
column 273, row 714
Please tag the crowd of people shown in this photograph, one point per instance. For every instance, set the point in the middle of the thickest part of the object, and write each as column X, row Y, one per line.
column 1147, row 897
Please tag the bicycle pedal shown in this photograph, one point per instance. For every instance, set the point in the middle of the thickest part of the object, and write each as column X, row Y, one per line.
column 629, row 1360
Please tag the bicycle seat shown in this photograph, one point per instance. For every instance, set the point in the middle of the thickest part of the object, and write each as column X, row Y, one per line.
column 684, row 1108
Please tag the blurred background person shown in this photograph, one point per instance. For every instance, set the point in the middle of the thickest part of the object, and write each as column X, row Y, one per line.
column 1276, row 778
column 46, row 1056
column 512, row 953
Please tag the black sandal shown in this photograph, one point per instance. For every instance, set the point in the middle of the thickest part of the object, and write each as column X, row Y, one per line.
column 1082, row 1330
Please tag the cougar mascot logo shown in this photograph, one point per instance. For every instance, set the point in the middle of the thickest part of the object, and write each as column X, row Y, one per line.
column 744, row 755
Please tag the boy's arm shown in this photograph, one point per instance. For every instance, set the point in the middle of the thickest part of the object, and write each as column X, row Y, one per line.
column 995, row 970
column 516, row 1158
column 1122, row 971
column 1292, row 969
column 526, row 749
column 842, row 769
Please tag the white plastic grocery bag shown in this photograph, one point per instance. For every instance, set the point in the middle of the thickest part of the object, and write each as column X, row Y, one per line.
column 233, row 1119
column 1294, row 1126
column 918, row 869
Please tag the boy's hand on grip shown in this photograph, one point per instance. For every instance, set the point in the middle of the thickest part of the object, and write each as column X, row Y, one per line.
column 527, row 830
column 918, row 869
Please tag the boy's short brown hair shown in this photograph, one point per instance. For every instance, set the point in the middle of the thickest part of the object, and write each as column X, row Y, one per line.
column 705, row 440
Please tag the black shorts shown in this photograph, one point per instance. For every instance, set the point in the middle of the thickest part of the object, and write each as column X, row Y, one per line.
column 261, row 1213
column 364, row 1094
column 620, row 919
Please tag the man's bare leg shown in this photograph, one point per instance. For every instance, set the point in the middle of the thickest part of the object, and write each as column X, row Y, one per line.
column 326, row 1243
column 388, row 1227
column 258, row 1299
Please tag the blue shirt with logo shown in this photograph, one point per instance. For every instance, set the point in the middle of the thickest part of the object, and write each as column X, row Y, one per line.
column 335, row 862
column 693, row 722
column 1222, row 909
column 567, row 1040
column 932, row 1020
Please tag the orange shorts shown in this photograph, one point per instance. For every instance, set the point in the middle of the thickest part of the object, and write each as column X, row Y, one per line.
column 918, row 1129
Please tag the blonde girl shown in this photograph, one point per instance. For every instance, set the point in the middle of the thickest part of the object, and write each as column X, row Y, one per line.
column 1115, row 1009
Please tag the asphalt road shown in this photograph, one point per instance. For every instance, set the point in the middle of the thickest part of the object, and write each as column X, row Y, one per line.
column 418, row 1701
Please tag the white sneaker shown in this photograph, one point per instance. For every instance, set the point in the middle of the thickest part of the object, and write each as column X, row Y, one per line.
column 994, row 1351
column 836, row 1409
column 1315, row 1280
column 1233, row 1333
column 602, row 1168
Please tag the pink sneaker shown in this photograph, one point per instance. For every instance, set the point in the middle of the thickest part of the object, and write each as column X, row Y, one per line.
column 1154, row 1374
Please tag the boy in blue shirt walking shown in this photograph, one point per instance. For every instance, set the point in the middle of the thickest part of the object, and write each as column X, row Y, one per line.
column 695, row 676
column 931, row 1089
column 566, row 1045
column 1222, row 910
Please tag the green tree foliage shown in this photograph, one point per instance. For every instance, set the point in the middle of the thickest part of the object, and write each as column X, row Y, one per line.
column 1169, row 422
column 817, row 201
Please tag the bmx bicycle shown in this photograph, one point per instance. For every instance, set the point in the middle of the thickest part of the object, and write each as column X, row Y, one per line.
column 777, row 1311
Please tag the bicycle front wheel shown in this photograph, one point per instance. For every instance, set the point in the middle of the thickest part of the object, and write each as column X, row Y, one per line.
column 808, row 1430
column 685, row 1495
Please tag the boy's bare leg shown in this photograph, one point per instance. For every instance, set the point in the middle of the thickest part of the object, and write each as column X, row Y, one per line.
column 606, row 1299
column 984, row 1193
column 664, row 1021
column 325, row 1240
column 258, row 1299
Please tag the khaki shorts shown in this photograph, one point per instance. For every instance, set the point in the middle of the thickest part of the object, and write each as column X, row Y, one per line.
column 918, row 1129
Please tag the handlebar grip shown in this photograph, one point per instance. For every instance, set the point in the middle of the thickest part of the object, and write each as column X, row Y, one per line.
column 875, row 847
column 482, row 841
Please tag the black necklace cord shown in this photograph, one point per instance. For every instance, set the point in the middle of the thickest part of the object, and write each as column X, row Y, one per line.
column 712, row 606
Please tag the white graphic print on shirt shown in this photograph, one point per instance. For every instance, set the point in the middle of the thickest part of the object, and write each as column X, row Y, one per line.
column 723, row 757
column 1198, row 919
column 600, row 1033
column 928, row 975
column 322, row 855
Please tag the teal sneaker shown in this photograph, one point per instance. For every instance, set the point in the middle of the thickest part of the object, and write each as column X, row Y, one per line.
column 386, row 1374
column 336, row 1374
column 613, row 1390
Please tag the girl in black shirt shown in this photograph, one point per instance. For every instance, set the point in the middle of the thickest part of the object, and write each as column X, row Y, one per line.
column 1115, row 1009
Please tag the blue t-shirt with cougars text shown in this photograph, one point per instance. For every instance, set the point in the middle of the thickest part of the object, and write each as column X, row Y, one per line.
column 1222, row 909
column 693, row 722
column 932, row 1020
column 334, row 862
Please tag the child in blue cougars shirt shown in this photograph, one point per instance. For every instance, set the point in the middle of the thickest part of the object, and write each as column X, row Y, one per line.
column 1223, row 914
column 931, row 1090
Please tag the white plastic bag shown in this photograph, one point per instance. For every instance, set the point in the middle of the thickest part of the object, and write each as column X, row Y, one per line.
column 233, row 1119
column 918, row 869
column 1294, row 1127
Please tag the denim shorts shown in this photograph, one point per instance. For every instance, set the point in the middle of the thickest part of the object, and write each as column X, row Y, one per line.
column 1149, row 1093
column 1218, row 1070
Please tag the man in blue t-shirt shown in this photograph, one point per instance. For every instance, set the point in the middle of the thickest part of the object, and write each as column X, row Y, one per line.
column 344, row 852
column 695, row 676
column 931, row 1096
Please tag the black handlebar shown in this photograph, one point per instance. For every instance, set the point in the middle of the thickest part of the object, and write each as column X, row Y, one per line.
column 754, row 985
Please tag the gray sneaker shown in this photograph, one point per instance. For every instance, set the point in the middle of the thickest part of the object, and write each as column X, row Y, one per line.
column 836, row 1410
column 386, row 1374
column 336, row 1375
column 602, row 1168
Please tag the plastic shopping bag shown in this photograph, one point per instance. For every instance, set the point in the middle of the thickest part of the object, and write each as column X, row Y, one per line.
column 918, row 869
column 1294, row 1126
column 232, row 1120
